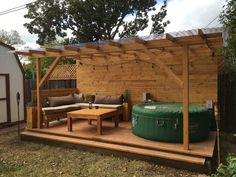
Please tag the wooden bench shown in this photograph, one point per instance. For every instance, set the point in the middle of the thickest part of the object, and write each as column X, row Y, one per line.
column 49, row 114
column 52, row 93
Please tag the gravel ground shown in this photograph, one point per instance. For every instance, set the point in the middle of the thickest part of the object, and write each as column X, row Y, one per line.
column 22, row 158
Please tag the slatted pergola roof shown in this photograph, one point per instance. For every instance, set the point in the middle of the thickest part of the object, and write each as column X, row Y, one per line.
column 209, row 38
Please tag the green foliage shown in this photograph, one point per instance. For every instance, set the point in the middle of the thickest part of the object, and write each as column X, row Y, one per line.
column 29, row 69
column 228, row 170
column 30, row 66
column 11, row 37
column 228, row 19
column 93, row 20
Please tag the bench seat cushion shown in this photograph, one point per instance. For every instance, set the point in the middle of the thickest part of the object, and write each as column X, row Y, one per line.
column 76, row 106
column 60, row 109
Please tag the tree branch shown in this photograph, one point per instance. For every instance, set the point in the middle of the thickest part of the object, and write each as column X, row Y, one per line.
column 118, row 26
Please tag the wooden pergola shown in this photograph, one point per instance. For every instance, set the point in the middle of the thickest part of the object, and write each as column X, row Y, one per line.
column 186, row 46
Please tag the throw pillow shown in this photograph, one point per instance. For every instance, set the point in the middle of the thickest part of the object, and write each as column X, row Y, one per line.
column 79, row 98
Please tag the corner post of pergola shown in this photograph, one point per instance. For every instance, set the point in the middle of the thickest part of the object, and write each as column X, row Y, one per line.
column 38, row 79
column 39, row 83
column 186, row 97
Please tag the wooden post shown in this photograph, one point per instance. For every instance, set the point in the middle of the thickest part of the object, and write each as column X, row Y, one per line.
column 38, row 78
column 31, row 117
column 186, row 97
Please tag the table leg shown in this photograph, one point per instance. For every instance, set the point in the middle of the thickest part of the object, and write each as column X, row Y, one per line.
column 89, row 121
column 116, row 119
column 46, row 122
column 99, row 125
column 69, row 124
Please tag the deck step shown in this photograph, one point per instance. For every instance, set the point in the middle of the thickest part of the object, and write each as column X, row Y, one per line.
column 117, row 147
column 129, row 143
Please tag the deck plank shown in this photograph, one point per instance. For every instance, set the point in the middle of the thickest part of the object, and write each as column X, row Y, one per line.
column 116, row 147
column 123, row 136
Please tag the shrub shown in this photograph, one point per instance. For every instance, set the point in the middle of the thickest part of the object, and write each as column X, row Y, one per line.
column 228, row 170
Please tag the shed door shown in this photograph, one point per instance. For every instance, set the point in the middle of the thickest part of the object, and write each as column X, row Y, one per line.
column 4, row 99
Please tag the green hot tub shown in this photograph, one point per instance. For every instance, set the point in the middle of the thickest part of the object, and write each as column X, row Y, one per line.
column 164, row 121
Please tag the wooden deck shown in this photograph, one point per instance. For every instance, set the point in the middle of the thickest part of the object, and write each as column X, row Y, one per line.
column 121, row 139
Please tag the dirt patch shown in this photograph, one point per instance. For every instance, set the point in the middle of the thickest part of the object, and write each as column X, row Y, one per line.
column 22, row 158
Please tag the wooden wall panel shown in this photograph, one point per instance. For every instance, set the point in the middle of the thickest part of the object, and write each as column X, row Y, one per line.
column 139, row 76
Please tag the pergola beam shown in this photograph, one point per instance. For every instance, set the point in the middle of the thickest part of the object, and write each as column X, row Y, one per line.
column 174, row 40
column 53, row 50
column 159, row 62
column 48, row 52
column 170, row 38
column 164, row 67
column 204, row 38
column 113, row 44
column 41, row 52
column 140, row 41
column 50, row 70
column 72, row 48
column 92, row 46
column 23, row 53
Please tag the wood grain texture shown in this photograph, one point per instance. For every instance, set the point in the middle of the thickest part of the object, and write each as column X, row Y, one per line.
column 49, row 71
column 93, row 114
column 38, row 79
column 44, row 93
column 140, row 76
column 123, row 136
column 186, row 97
column 31, row 117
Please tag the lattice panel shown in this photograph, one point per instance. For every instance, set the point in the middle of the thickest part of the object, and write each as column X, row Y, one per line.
column 64, row 72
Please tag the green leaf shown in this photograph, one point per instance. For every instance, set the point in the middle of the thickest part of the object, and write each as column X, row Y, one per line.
column 93, row 20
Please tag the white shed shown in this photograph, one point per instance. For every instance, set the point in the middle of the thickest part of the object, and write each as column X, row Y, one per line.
column 11, row 82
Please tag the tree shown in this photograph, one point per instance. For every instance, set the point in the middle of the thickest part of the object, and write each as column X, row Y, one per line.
column 228, row 19
column 93, row 20
column 11, row 37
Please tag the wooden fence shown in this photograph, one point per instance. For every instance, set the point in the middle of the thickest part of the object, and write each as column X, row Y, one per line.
column 227, row 103
column 63, row 76
column 50, row 84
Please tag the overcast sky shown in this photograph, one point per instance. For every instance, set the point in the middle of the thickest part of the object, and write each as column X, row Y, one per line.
column 183, row 14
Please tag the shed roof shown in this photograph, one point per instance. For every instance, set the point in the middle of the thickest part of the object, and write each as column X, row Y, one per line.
column 16, row 56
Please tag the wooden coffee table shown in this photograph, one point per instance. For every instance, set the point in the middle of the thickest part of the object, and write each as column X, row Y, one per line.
column 93, row 114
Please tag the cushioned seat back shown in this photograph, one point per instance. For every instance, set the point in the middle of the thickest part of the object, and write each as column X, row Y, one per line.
column 103, row 99
column 62, row 100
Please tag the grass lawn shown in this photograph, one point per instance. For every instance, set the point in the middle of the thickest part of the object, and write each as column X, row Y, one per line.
column 24, row 159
